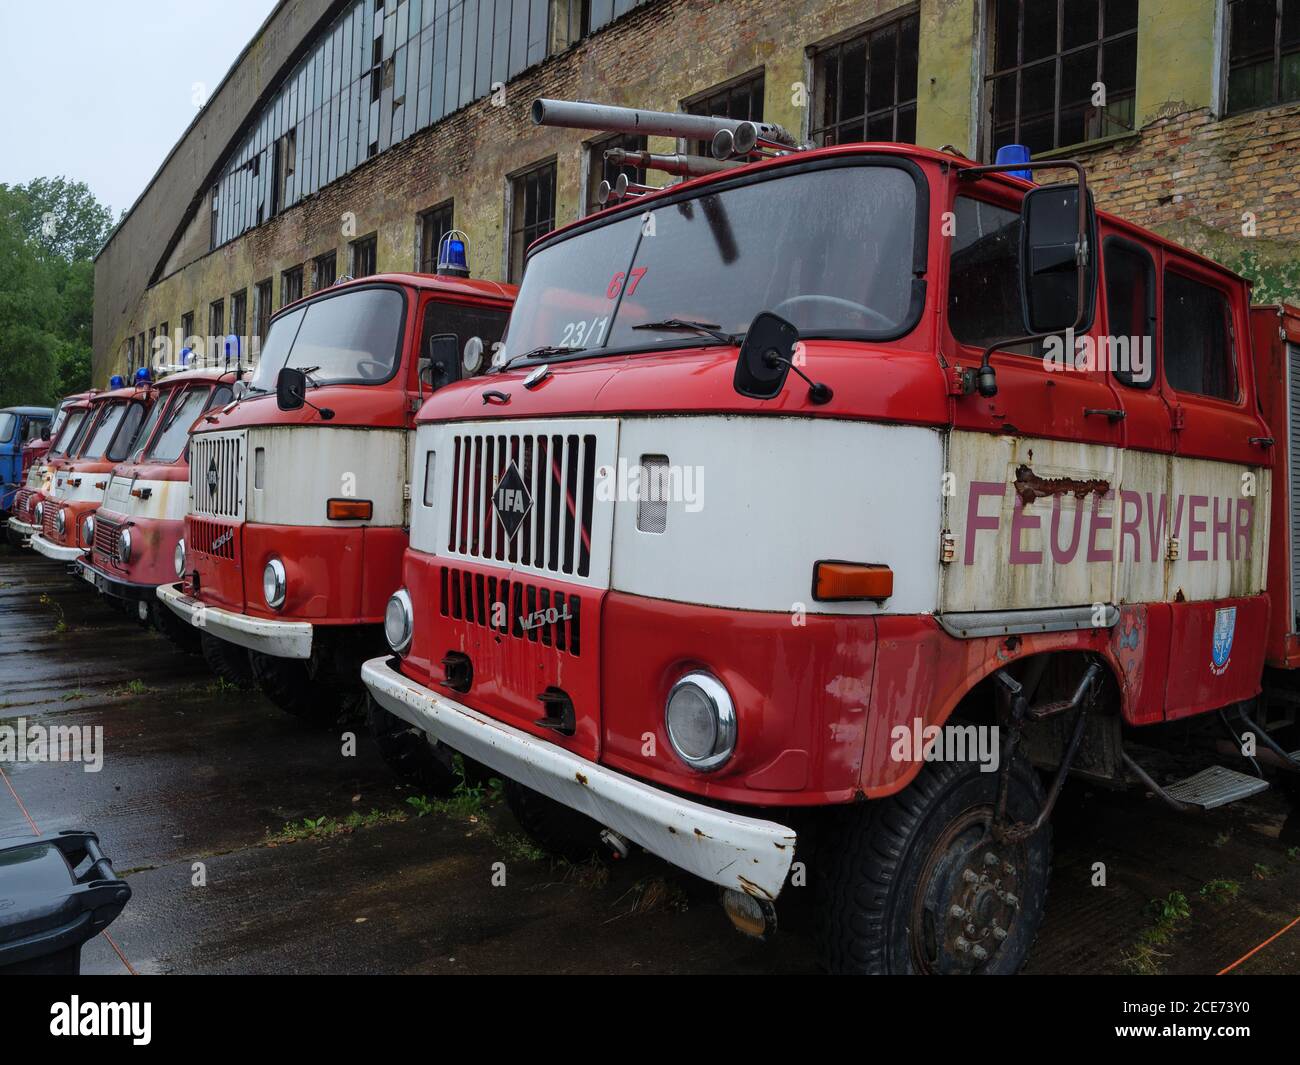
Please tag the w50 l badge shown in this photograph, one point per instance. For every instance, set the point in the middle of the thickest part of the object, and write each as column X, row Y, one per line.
column 511, row 500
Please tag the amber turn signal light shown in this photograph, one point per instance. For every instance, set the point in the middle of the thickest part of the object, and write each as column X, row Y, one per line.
column 349, row 509
column 834, row 581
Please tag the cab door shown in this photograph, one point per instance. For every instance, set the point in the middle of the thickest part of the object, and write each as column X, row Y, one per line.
column 1031, row 471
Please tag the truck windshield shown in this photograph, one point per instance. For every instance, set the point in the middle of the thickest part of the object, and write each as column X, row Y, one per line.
column 349, row 338
column 7, row 422
column 176, row 430
column 104, row 431
column 829, row 249
column 68, row 434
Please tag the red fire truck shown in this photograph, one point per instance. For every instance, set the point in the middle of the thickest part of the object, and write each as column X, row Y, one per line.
column 136, row 532
column 299, row 492
column 819, row 513
column 112, row 420
column 37, row 465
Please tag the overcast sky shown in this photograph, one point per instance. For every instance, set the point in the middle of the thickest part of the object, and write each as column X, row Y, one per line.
column 100, row 90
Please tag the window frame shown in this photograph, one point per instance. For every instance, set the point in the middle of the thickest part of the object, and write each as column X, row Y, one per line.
column 517, row 240
column 1225, row 66
column 426, row 259
column 1155, row 294
column 864, row 32
column 594, row 165
column 1189, row 271
column 698, row 104
column 370, row 244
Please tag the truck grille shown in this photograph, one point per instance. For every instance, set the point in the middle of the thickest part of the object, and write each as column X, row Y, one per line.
column 216, row 474
column 213, row 538
column 514, row 608
column 48, row 529
column 106, row 538
column 559, row 472
column 23, row 504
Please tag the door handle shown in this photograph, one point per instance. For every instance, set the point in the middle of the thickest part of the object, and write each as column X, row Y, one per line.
column 1110, row 413
column 1262, row 441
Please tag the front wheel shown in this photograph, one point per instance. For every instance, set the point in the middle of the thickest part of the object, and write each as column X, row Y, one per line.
column 227, row 660
column 181, row 634
column 554, row 827
column 409, row 752
column 310, row 689
column 916, row 883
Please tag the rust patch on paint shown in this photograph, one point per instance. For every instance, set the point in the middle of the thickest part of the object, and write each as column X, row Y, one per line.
column 581, row 778
column 1029, row 486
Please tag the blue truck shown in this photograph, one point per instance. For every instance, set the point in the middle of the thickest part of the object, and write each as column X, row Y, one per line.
column 18, row 427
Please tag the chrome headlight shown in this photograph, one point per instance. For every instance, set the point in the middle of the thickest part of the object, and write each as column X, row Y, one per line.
column 399, row 621
column 88, row 530
column 61, row 521
column 124, row 547
column 40, row 513
column 178, row 557
column 274, row 584
column 701, row 721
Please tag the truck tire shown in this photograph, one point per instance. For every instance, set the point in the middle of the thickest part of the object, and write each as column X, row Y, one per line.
column 180, row 634
column 309, row 689
column 894, row 888
column 227, row 660
column 410, row 753
column 554, row 827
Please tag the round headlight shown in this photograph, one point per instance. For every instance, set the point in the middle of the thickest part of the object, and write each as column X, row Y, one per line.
column 88, row 530
column 61, row 521
column 124, row 546
column 399, row 621
column 40, row 513
column 273, row 584
column 178, row 557
column 701, row 721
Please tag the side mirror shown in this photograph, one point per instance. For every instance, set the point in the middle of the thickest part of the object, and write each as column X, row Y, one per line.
column 765, row 357
column 441, row 364
column 1058, row 259
column 290, row 389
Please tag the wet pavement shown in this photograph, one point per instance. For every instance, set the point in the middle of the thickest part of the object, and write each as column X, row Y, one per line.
column 200, row 784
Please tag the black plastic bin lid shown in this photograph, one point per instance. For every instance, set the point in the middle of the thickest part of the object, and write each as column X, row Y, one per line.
column 56, row 891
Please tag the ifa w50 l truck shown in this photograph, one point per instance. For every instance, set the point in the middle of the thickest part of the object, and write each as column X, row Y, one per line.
column 299, row 490
column 904, row 552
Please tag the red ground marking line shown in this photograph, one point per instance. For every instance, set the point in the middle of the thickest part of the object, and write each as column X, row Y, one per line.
column 1252, row 953
column 36, row 831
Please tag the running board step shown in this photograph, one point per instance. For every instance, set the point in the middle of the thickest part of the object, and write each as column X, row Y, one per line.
column 1216, row 786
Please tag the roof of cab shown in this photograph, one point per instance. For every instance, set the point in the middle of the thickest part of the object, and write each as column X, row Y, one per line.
column 639, row 204
column 450, row 286
column 41, row 411
column 203, row 374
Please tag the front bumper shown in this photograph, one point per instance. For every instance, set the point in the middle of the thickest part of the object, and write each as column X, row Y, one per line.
column 279, row 639
column 731, row 850
column 23, row 529
column 56, row 551
column 111, row 584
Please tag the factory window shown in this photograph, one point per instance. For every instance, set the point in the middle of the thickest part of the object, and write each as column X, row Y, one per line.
column 1263, row 53
column 866, row 85
column 284, row 163
column 162, row 332
column 239, row 314
column 435, row 224
column 324, row 269
column 741, row 99
column 532, row 212
column 290, row 286
column 601, row 169
column 217, row 318
column 213, row 231
column 262, row 312
column 1060, row 72
column 153, row 335
column 363, row 256
column 140, row 351
column 130, row 354
column 187, row 327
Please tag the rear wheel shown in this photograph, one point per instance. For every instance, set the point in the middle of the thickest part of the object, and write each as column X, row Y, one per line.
column 553, row 826
column 916, row 883
column 227, row 660
column 312, row 689
column 411, row 753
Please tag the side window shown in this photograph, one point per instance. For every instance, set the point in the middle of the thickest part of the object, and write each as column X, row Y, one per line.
column 488, row 324
column 121, row 444
column 984, row 274
column 1198, row 347
column 1131, row 312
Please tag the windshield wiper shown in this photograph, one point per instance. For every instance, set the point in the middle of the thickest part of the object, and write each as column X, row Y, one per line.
column 536, row 353
column 681, row 324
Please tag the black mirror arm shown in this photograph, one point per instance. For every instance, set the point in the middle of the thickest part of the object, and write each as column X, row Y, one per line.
column 985, row 379
column 818, row 393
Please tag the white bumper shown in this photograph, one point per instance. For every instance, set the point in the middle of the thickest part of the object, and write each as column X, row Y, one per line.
column 22, row 528
column 745, row 853
column 54, row 551
column 279, row 639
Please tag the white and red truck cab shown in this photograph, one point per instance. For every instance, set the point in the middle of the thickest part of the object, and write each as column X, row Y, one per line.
column 843, row 517
column 112, row 421
column 136, row 534
column 299, row 492
column 23, row 523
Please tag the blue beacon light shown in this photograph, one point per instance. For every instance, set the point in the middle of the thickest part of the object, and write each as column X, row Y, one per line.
column 1014, row 153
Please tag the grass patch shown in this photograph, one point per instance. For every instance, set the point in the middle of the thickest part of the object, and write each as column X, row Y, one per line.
column 60, row 620
column 136, row 687
column 1263, row 871
column 1222, row 839
column 1220, row 890
column 324, row 827
column 653, row 894
column 1292, row 853
column 1146, row 958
